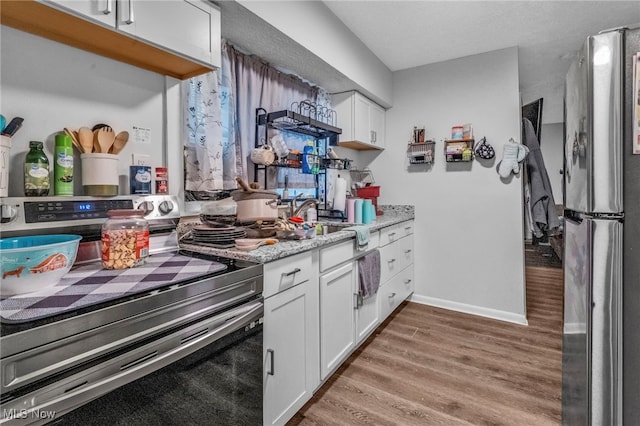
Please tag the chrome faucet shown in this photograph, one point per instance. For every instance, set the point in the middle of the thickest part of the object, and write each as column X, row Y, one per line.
column 296, row 210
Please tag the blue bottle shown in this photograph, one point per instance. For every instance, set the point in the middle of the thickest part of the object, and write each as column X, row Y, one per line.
column 308, row 158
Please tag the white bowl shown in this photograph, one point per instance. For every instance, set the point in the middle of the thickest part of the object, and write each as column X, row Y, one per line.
column 37, row 262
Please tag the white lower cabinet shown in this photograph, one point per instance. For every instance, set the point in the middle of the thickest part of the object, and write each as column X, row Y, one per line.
column 367, row 317
column 396, row 290
column 314, row 318
column 291, row 344
column 396, row 267
column 337, row 331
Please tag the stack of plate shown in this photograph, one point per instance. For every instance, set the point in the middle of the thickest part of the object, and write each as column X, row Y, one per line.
column 220, row 237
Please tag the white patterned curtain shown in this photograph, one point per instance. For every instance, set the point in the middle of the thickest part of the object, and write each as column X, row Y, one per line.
column 220, row 121
column 256, row 84
column 203, row 150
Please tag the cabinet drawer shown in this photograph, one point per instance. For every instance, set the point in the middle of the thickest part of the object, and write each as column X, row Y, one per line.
column 388, row 235
column 395, row 257
column 397, row 290
column 336, row 254
column 405, row 228
column 285, row 273
column 393, row 233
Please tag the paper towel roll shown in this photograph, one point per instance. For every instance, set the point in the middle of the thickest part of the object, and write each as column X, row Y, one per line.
column 351, row 210
column 340, row 194
column 359, row 203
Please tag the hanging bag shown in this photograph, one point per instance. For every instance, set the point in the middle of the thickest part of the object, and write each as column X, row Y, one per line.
column 484, row 150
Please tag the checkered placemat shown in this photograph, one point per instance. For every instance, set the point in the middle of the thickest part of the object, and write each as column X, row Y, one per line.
column 89, row 284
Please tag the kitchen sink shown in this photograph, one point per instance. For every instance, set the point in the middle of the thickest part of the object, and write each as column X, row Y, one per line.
column 335, row 227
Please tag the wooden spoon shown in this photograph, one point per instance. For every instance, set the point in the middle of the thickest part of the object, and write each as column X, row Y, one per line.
column 85, row 137
column 119, row 142
column 74, row 139
column 106, row 137
column 96, row 143
column 243, row 184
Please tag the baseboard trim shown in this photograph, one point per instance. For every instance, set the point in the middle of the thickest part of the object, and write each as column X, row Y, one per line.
column 574, row 328
column 470, row 309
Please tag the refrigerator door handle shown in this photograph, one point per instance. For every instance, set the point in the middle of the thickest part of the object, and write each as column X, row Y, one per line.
column 605, row 322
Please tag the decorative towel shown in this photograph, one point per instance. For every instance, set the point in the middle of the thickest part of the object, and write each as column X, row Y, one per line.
column 369, row 274
column 362, row 235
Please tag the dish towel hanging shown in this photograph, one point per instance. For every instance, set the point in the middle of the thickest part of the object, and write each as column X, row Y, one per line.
column 369, row 274
column 362, row 236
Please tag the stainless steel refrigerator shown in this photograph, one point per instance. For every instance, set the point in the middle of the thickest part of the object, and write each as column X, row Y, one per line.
column 601, row 336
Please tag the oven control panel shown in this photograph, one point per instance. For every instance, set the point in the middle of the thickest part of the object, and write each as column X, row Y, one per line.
column 21, row 213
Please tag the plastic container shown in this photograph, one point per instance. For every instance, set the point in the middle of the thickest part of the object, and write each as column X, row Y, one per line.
column 358, row 210
column 140, row 180
column 162, row 180
column 315, row 166
column 367, row 212
column 63, row 166
column 36, row 171
column 351, row 210
column 312, row 215
column 308, row 158
column 125, row 239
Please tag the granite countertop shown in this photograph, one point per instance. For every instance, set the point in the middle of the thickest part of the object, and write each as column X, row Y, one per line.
column 392, row 214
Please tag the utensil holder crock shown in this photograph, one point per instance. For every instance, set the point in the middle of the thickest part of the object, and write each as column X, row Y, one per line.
column 100, row 174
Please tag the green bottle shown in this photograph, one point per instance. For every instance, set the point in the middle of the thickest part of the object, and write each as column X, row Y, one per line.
column 36, row 171
column 63, row 166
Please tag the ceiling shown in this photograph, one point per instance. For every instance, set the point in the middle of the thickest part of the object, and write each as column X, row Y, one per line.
column 405, row 34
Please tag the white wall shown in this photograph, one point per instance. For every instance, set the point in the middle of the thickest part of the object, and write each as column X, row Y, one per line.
column 469, row 225
column 53, row 86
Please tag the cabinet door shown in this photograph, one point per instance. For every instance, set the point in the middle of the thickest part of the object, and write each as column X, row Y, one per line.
column 102, row 11
column 367, row 317
column 361, row 117
column 290, row 351
column 187, row 27
column 376, row 119
column 337, row 305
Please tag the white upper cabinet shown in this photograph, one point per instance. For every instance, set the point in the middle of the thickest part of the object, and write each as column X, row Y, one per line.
column 179, row 38
column 102, row 11
column 186, row 27
column 362, row 121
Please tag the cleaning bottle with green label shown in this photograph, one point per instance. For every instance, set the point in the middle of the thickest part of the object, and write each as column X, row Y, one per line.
column 36, row 171
column 63, row 166
column 308, row 158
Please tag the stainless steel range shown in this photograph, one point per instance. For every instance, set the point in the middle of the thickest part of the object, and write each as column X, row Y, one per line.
column 177, row 340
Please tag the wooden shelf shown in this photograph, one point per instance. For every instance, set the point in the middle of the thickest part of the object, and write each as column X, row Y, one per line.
column 48, row 22
column 360, row 146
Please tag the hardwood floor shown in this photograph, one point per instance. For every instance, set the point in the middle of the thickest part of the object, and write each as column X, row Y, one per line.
column 430, row 366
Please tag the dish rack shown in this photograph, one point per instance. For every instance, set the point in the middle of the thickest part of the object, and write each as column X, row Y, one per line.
column 361, row 177
column 304, row 117
column 421, row 152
